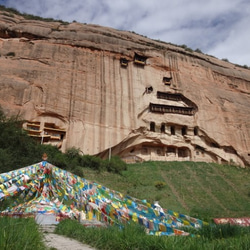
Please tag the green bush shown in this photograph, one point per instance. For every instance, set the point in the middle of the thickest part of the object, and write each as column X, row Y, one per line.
column 115, row 165
column 29, row 16
column 73, row 152
column 78, row 170
column 92, row 162
column 198, row 50
column 58, row 159
column 12, row 10
column 17, row 148
column 160, row 184
column 189, row 49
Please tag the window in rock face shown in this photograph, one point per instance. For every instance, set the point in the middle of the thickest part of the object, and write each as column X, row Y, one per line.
column 196, row 131
column 172, row 129
column 167, row 80
column 184, row 130
column 163, row 127
column 152, row 126
column 124, row 62
column 140, row 60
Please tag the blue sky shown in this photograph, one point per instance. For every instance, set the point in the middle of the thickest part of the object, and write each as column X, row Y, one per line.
column 217, row 27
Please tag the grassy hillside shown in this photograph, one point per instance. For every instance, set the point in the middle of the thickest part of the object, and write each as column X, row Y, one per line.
column 202, row 190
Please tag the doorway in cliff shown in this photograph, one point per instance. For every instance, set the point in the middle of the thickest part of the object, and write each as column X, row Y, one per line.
column 172, row 130
column 160, row 152
column 144, row 150
column 163, row 128
column 170, row 150
column 152, row 126
column 184, row 130
column 183, row 152
column 196, row 130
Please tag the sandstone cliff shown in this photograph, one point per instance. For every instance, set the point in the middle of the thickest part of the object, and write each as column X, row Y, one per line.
column 107, row 92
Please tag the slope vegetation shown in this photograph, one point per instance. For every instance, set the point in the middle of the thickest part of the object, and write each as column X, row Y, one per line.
column 201, row 190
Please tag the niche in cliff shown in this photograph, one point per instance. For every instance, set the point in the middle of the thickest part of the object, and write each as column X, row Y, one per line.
column 18, row 34
column 140, row 59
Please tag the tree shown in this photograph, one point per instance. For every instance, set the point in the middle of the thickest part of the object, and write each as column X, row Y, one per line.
column 16, row 147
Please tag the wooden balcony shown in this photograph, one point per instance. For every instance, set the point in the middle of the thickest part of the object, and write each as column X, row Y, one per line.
column 141, row 60
column 124, row 62
column 161, row 108
column 54, row 129
column 167, row 80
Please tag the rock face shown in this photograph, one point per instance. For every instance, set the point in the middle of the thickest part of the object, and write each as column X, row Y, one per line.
column 107, row 92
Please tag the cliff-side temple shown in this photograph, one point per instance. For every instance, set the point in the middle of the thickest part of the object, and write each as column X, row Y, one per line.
column 108, row 91
column 45, row 132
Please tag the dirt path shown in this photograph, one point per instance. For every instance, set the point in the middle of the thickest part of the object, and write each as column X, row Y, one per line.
column 60, row 242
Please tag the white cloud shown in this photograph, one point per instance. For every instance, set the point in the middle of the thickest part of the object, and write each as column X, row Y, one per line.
column 219, row 28
column 235, row 46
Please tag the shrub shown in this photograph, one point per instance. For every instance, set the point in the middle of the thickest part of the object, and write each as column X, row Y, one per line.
column 160, row 185
column 198, row 50
column 29, row 16
column 92, row 162
column 189, row 49
column 73, row 152
column 115, row 165
column 12, row 10
column 78, row 170
column 60, row 160
column 17, row 148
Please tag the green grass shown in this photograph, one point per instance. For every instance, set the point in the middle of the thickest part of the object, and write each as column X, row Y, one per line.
column 133, row 237
column 20, row 233
column 202, row 190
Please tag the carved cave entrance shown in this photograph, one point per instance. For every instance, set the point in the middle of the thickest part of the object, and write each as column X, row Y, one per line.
column 162, row 152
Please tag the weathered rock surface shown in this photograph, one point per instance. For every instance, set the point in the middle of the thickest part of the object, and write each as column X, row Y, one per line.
column 70, row 80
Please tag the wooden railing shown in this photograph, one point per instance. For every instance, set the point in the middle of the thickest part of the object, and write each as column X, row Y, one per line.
column 161, row 108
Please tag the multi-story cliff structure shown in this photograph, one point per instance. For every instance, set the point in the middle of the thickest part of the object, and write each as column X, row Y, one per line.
column 107, row 91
